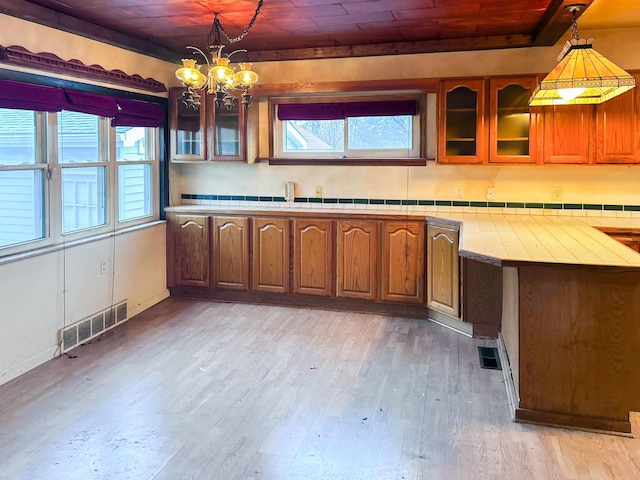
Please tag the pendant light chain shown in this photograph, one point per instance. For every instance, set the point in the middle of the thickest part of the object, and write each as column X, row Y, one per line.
column 246, row 30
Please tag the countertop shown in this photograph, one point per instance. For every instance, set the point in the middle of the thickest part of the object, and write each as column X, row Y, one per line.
column 508, row 237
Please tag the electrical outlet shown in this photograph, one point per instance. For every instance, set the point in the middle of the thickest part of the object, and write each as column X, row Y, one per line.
column 458, row 192
column 318, row 191
column 556, row 194
column 491, row 193
column 103, row 267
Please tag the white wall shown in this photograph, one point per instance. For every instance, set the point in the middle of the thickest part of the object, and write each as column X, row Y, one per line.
column 580, row 184
column 41, row 294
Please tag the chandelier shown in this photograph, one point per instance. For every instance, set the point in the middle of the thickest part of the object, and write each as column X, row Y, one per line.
column 222, row 80
column 582, row 76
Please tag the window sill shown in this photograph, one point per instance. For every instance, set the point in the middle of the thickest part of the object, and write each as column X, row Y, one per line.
column 372, row 162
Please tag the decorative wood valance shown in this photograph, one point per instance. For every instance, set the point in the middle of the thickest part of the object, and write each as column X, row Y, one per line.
column 17, row 55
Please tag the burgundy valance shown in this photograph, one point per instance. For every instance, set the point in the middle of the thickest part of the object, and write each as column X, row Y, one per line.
column 134, row 113
column 124, row 112
column 27, row 96
column 92, row 103
column 338, row 111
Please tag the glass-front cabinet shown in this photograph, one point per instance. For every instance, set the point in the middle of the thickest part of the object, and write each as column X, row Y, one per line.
column 462, row 121
column 208, row 133
column 512, row 127
column 187, row 129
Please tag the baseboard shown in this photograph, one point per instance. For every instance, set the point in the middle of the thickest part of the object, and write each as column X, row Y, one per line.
column 510, row 386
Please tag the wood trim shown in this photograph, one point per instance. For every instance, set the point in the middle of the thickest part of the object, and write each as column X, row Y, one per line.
column 556, row 22
column 61, row 21
column 405, row 48
column 422, row 85
column 591, row 424
column 17, row 55
column 371, row 162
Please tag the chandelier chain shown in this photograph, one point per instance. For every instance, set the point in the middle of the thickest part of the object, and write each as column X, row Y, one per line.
column 246, row 30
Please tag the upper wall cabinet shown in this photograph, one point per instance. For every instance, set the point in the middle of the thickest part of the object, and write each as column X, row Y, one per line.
column 512, row 127
column 208, row 133
column 462, row 121
column 187, row 129
column 567, row 134
column 618, row 128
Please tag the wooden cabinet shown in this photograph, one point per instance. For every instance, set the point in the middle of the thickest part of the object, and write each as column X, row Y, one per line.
column 231, row 253
column 443, row 271
column 512, row 126
column 403, row 262
column 357, row 258
column 462, row 121
column 187, row 129
column 207, row 133
column 313, row 257
column 567, row 134
column 618, row 128
column 270, row 257
column 191, row 250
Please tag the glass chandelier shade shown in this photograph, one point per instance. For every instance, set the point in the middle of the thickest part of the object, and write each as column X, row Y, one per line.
column 190, row 75
column 582, row 76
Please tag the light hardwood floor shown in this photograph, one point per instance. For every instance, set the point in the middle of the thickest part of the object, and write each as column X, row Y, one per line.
column 201, row 390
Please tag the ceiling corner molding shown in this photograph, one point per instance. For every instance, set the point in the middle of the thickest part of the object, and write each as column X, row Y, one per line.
column 16, row 55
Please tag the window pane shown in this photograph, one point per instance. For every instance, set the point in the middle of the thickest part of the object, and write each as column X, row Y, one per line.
column 83, row 198
column 17, row 137
column 78, row 137
column 380, row 133
column 131, row 143
column 134, row 191
column 313, row 135
column 21, row 206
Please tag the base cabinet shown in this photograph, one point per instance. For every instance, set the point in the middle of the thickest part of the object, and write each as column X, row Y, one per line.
column 357, row 259
column 443, row 270
column 313, row 257
column 403, row 262
column 231, row 253
column 270, row 259
column 191, row 250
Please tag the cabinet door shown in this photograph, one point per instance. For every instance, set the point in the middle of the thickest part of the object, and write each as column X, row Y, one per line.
column 567, row 133
column 187, row 126
column 357, row 253
column 231, row 253
column 403, row 262
column 192, row 250
column 313, row 257
column 271, row 255
column 462, row 133
column 443, row 277
column 226, row 132
column 618, row 129
column 512, row 128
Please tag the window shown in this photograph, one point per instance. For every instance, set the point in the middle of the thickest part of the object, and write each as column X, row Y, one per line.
column 372, row 129
column 70, row 174
column 135, row 153
column 22, row 186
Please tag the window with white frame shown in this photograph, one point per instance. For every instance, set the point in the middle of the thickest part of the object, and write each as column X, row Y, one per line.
column 72, row 174
column 353, row 128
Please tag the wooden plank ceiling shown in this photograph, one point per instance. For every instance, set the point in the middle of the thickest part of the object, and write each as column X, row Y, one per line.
column 302, row 29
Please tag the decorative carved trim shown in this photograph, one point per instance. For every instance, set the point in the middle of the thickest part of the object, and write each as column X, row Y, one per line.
column 48, row 61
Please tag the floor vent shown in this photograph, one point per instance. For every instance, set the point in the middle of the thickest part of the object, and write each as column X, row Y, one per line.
column 90, row 327
column 489, row 358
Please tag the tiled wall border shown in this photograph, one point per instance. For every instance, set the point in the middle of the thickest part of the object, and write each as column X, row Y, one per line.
column 582, row 209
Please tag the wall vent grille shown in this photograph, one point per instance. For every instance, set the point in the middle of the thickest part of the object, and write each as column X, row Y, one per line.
column 88, row 328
